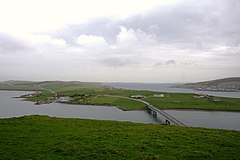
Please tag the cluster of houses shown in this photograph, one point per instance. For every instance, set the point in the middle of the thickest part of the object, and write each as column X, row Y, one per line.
column 58, row 97
column 31, row 95
column 161, row 95
column 137, row 96
column 210, row 98
column 155, row 95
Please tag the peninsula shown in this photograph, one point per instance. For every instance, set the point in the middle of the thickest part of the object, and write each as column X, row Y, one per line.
column 87, row 93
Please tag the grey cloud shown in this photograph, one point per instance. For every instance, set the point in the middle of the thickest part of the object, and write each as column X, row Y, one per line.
column 190, row 24
column 173, row 62
column 166, row 63
column 158, row 64
column 194, row 24
column 10, row 44
column 170, row 62
column 117, row 61
column 187, row 63
column 189, row 34
column 103, row 27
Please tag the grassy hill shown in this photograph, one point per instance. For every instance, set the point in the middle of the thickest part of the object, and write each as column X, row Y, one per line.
column 232, row 83
column 42, row 137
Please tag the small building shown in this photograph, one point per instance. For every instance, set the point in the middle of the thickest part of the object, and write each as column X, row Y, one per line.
column 51, row 98
column 60, row 95
column 31, row 95
column 137, row 96
column 159, row 95
column 199, row 96
column 64, row 99
column 214, row 99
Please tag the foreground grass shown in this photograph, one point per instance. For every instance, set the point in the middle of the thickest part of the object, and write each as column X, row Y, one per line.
column 41, row 137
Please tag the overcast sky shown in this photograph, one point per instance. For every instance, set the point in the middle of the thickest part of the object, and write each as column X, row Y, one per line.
column 156, row 41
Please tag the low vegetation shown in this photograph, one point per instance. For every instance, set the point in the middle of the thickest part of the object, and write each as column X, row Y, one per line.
column 42, row 137
column 186, row 101
column 123, row 103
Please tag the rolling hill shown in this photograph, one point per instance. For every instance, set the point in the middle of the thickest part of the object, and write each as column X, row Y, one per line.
column 225, row 84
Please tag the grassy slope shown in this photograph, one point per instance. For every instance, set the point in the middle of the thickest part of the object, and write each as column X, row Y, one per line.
column 227, row 83
column 125, row 104
column 18, row 87
column 39, row 137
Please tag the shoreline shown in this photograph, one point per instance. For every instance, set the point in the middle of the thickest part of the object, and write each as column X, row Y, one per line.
column 121, row 108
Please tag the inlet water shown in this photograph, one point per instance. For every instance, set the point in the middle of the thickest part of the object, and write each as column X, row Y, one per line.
column 15, row 107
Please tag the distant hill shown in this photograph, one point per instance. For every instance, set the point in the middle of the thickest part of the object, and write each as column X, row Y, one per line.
column 225, row 84
column 54, row 85
column 17, row 82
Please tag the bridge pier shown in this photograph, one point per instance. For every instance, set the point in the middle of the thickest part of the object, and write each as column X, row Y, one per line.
column 167, row 122
column 149, row 111
column 154, row 114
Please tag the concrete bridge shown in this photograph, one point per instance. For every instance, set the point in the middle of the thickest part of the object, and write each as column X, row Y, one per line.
column 169, row 119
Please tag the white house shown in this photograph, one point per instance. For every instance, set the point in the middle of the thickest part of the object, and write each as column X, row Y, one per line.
column 159, row 95
column 137, row 96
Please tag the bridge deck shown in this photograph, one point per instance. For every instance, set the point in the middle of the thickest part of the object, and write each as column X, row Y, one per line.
column 163, row 113
column 151, row 107
column 167, row 116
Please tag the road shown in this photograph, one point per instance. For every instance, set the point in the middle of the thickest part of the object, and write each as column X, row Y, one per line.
column 46, row 89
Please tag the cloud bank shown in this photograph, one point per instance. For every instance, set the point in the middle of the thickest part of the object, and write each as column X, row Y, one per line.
column 166, row 43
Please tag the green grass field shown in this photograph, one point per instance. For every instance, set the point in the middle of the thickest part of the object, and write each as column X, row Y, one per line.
column 41, row 137
column 185, row 101
column 124, row 104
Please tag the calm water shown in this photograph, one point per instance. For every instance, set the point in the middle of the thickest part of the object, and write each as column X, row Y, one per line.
column 208, row 119
column 15, row 107
column 167, row 88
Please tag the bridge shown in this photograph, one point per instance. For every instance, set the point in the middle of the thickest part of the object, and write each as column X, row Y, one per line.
column 169, row 119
